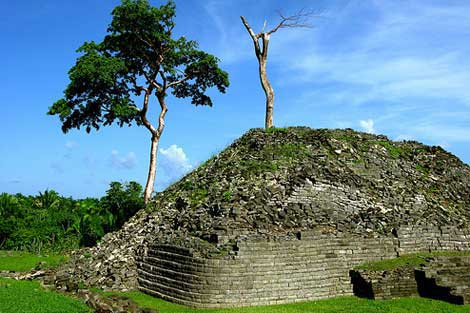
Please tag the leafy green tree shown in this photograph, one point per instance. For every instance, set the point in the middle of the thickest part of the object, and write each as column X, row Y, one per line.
column 10, row 215
column 47, row 199
column 138, row 57
column 94, row 221
column 123, row 201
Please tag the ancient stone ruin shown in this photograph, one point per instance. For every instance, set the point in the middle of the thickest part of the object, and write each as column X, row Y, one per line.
column 444, row 278
column 283, row 216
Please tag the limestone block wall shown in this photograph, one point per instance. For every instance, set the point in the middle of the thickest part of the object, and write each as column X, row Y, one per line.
column 397, row 283
column 449, row 275
column 314, row 266
column 430, row 238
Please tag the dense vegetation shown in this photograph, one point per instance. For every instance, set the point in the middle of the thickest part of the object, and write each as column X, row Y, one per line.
column 51, row 223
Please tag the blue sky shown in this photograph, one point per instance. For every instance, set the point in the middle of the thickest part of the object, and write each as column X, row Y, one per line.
column 393, row 67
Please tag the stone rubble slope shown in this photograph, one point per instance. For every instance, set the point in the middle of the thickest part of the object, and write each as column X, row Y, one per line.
column 259, row 185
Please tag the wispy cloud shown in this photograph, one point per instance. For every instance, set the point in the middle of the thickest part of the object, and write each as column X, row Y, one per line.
column 363, row 77
column 123, row 162
column 404, row 62
column 230, row 43
column 442, row 132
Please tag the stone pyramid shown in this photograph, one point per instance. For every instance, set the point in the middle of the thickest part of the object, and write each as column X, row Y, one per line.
column 282, row 215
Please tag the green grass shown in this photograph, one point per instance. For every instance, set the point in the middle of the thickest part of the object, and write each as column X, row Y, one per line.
column 227, row 195
column 198, row 195
column 20, row 261
column 413, row 260
column 255, row 167
column 421, row 168
column 394, row 151
column 28, row 296
column 273, row 130
column 334, row 305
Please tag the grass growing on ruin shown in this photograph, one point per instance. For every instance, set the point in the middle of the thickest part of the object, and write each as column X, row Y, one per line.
column 406, row 260
column 20, row 261
column 28, row 296
column 335, row 305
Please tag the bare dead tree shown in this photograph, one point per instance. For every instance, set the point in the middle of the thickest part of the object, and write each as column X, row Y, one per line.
column 261, row 44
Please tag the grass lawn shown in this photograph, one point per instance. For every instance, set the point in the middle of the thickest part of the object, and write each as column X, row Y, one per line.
column 414, row 260
column 20, row 261
column 28, row 296
column 335, row 305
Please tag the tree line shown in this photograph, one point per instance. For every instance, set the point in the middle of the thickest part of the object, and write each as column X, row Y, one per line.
column 49, row 222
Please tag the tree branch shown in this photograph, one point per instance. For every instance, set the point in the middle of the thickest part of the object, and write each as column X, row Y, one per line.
column 164, row 85
column 176, row 82
column 143, row 114
column 148, row 43
column 161, row 117
column 254, row 36
column 153, row 82
column 298, row 20
column 137, row 88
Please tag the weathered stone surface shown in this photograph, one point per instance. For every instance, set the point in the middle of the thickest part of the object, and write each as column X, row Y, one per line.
column 110, row 304
column 308, row 265
column 444, row 278
column 280, row 186
column 390, row 284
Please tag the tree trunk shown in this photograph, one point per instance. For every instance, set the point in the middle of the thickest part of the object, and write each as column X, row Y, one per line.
column 156, row 134
column 152, row 169
column 262, row 56
column 269, row 92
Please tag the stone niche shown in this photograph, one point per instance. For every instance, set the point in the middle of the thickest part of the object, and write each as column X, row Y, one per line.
column 312, row 265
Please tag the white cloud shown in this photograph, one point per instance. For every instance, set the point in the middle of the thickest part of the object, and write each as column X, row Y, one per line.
column 123, row 162
column 368, row 126
column 174, row 161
